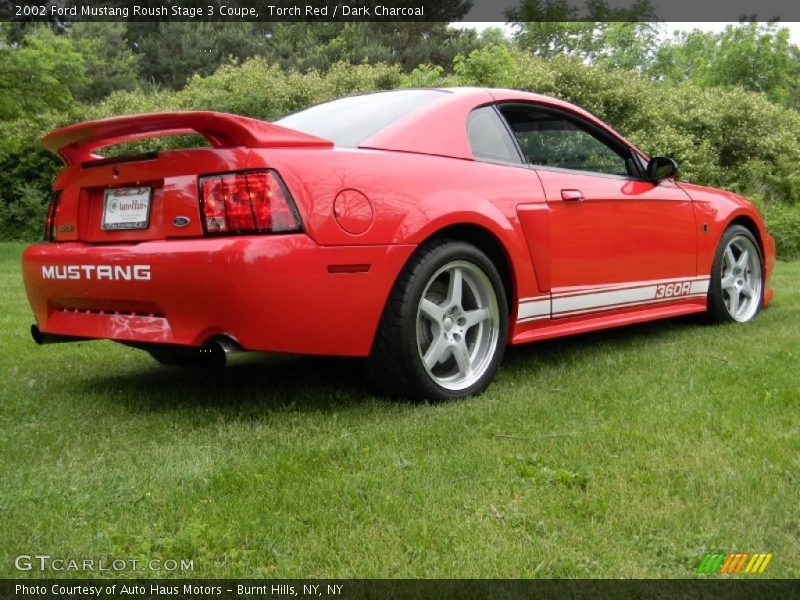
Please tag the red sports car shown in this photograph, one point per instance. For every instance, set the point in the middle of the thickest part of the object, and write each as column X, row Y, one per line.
column 421, row 229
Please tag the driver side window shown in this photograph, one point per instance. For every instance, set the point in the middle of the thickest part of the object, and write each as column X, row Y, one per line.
column 549, row 139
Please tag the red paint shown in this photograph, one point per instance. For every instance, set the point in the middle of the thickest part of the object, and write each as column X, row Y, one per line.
column 622, row 230
column 308, row 292
column 76, row 143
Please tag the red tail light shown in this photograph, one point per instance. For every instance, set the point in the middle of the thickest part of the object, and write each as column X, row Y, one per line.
column 251, row 202
column 50, row 223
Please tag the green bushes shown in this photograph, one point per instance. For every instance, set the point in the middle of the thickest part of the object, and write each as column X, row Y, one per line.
column 728, row 138
column 783, row 222
column 24, row 219
column 264, row 91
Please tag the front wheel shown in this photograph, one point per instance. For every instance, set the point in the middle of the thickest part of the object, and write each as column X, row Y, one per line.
column 443, row 331
column 736, row 290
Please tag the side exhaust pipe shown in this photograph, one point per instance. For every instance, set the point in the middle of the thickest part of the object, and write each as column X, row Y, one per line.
column 216, row 353
column 41, row 337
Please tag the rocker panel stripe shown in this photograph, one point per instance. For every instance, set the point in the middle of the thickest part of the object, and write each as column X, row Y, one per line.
column 597, row 299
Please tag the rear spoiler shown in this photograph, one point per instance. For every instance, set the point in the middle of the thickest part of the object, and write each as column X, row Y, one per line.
column 75, row 144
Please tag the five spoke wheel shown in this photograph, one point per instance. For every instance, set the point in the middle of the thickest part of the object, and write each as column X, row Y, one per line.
column 458, row 323
column 736, row 290
column 740, row 278
column 443, row 330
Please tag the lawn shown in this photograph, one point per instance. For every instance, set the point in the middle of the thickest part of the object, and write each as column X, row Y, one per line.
column 628, row 453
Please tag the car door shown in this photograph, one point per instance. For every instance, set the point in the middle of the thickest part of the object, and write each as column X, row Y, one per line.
column 613, row 235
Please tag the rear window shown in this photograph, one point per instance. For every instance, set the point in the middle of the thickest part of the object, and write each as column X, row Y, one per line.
column 349, row 121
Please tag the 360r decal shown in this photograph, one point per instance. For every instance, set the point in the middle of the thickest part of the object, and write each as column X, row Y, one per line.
column 671, row 290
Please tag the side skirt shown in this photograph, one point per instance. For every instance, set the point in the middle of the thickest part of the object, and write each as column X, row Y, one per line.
column 543, row 329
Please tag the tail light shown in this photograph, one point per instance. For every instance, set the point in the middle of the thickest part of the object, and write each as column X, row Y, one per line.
column 250, row 202
column 52, row 213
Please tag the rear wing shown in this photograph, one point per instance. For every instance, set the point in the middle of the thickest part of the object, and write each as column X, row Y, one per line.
column 76, row 143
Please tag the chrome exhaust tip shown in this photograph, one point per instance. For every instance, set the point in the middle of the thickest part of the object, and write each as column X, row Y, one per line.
column 225, row 352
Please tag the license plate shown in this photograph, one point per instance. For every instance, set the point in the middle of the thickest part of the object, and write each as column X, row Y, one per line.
column 126, row 208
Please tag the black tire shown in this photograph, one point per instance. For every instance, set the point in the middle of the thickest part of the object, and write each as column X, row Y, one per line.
column 719, row 310
column 395, row 366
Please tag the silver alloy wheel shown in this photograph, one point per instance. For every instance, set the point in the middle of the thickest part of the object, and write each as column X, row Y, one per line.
column 458, row 325
column 741, row 278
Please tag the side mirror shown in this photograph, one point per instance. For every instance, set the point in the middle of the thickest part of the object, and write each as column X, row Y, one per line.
column 661, row 167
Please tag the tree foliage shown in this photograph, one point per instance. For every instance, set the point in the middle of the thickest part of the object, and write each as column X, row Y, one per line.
column 304, row 47
column 169, row 53
column 549, row 28
column 42, row 73
column 109, row 63
column 755, row 56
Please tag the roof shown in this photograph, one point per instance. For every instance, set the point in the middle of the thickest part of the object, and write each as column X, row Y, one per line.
column 439, row 128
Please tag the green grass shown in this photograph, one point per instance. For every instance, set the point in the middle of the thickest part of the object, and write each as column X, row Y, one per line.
column 627, row 453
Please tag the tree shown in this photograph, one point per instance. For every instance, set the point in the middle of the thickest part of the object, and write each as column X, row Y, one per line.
column 755, row 56
column 319, row 45
column 170, row 53
column 549, row 28
column 631, row 45
column 110, row 63
column 491, row 66
column 43, row 72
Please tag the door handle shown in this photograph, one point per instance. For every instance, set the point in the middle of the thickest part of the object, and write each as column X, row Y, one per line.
column 571, row 195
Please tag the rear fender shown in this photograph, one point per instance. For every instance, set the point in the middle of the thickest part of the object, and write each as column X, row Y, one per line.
column 447, row 209
column 411, row 198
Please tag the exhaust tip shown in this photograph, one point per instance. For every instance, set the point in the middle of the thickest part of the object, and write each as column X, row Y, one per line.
column 223, row 351
column 217, row 352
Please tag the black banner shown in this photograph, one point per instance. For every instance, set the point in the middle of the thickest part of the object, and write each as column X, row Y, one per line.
column 399, row 10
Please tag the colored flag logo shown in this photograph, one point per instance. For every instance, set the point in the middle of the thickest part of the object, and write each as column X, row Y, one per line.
column 734, row 562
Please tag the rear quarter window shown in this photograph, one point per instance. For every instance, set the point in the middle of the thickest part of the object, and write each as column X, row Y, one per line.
column 489, row 138
column 349, row 121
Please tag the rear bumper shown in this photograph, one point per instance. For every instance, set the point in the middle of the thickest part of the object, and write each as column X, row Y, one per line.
column 271, row 293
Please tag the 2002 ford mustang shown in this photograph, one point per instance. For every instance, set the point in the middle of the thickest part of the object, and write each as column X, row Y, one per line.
column 422, row 229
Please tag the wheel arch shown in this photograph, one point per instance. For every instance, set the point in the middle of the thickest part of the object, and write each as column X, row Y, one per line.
column 749, row 223
column 488, row 243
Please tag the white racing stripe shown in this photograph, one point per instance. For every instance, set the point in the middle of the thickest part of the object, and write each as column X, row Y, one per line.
column 611, row 297
column 629, row 285
column 629, row 304
column 531, row 309
column 700, row 286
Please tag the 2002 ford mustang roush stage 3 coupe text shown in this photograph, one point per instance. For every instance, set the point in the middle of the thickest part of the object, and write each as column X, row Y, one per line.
column 421, row 229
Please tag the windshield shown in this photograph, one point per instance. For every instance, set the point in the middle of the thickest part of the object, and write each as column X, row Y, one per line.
column 349, row 121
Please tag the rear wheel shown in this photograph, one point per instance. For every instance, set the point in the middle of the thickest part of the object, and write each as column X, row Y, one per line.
column 443, row 331
column 736, row 290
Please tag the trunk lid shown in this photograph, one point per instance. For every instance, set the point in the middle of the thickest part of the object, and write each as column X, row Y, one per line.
column 152, row 195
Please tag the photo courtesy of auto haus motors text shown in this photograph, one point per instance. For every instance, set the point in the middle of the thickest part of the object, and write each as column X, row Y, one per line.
column 159, row 590
column 430, row 299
